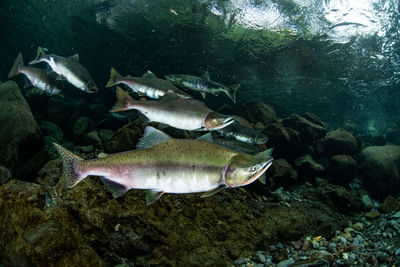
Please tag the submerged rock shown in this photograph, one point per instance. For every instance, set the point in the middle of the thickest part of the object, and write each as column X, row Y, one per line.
column 340, row 141
column 52, row 129
column 260, row 112
column 390, row 205
column 22, row 148
column 124, row 139
column 281, row 173
column 310, row 131
column 82, row 126
column 5, row 175
column 308, row 168
column 342, row 169
column 379, row 169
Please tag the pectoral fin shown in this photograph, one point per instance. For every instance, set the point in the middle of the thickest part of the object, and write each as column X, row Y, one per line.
column 263, row 179
column 74, row 58
column 214, row 191
column 153, row 196
column 116, row 189
column 205, row 76
column 203, row 95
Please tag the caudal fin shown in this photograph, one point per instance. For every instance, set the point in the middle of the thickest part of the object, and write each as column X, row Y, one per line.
column 71, row 178
column 124, row 101
column 232, row 92
column 15, row 68
column 114, row 76
column 40, row 56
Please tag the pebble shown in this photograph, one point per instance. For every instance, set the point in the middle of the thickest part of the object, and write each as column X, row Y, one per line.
column 366, row 200
column 241, row 261
column 342, row 239
column 262, row 258
column 306, row 245
column 348, row 230
column 358, row 226
column 373, row 214
column 397, row 252
column 315, row 244
column 286, row 263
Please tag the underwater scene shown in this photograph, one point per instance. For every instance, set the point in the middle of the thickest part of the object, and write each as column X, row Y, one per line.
column 240, row 133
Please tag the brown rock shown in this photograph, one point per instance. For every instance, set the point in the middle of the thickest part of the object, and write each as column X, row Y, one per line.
column 390, row 205
column 306, row 245
column 124, row 139
column 282, row 173
column 260, row 112
column 373, row 214
column 22, row 148
column 342, row 169
column 309, row 131
column 308, row 168
column 340, row 141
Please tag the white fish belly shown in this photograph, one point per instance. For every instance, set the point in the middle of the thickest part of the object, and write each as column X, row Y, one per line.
column 178, row 121
column 179, row 181
column 69, row 75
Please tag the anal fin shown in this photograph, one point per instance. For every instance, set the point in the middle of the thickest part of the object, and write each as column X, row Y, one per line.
column 116, row 189
column 153, row 196
column 214, row 191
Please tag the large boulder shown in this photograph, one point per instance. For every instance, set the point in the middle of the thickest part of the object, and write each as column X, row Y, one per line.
column 260, row 112
column 22, row 149
column 342, row 169
column 380, row 170
column 310, row 128
column 340, row 141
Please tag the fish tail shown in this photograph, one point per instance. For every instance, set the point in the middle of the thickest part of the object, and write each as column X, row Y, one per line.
column 70, row 160
column 232, row 92
column 124, row 101
column 113, row 78
column 15, row 68
column 40, row 56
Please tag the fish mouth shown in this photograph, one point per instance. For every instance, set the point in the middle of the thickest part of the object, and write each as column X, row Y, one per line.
column 223, row 122
column 261, row 172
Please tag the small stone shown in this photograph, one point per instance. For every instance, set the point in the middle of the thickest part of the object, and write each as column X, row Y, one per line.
column 397, row 252
column 85, row 149
column 396, row 215
column 345, row 256
column 366, row 200
column 332, row 246
column 358, row 226
column 348, row 230
column 241, row 261
column 262, row 258
column 306, row 245
column 315, row 244
column 348, row 236
column 342, row 239
column 5, row 175
column 381, row 257
column 373, row 214
column 324, row 255
column 384, row 234
column 116, row 227
column 371, row 259
column 390, row 235
column 298, row 244
column 286, row 263
column 390, row 205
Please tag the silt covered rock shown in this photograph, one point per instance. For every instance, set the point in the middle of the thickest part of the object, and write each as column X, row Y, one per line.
column 124, row 139
column 379, row 170
column 21, row 143
column 260, row 112
column 340, row 141
column 342, row 169
column 308, row 168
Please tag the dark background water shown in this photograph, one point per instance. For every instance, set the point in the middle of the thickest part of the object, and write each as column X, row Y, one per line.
column 303, row 61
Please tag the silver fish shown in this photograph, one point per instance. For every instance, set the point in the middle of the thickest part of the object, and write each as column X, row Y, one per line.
column 147, row 85
column 165, row 165
column 37, row 77
column 243, row 133
column 70, row 69
column 203, row 84
column 185, row 114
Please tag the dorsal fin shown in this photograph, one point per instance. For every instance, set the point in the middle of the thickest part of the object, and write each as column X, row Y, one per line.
column 74, row 58
column 149, row 74
column 151, row 137
column 267, row 154
column 206, row 137
column 205, row 76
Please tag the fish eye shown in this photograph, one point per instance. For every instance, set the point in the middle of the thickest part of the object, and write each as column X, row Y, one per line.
column 254, row 168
